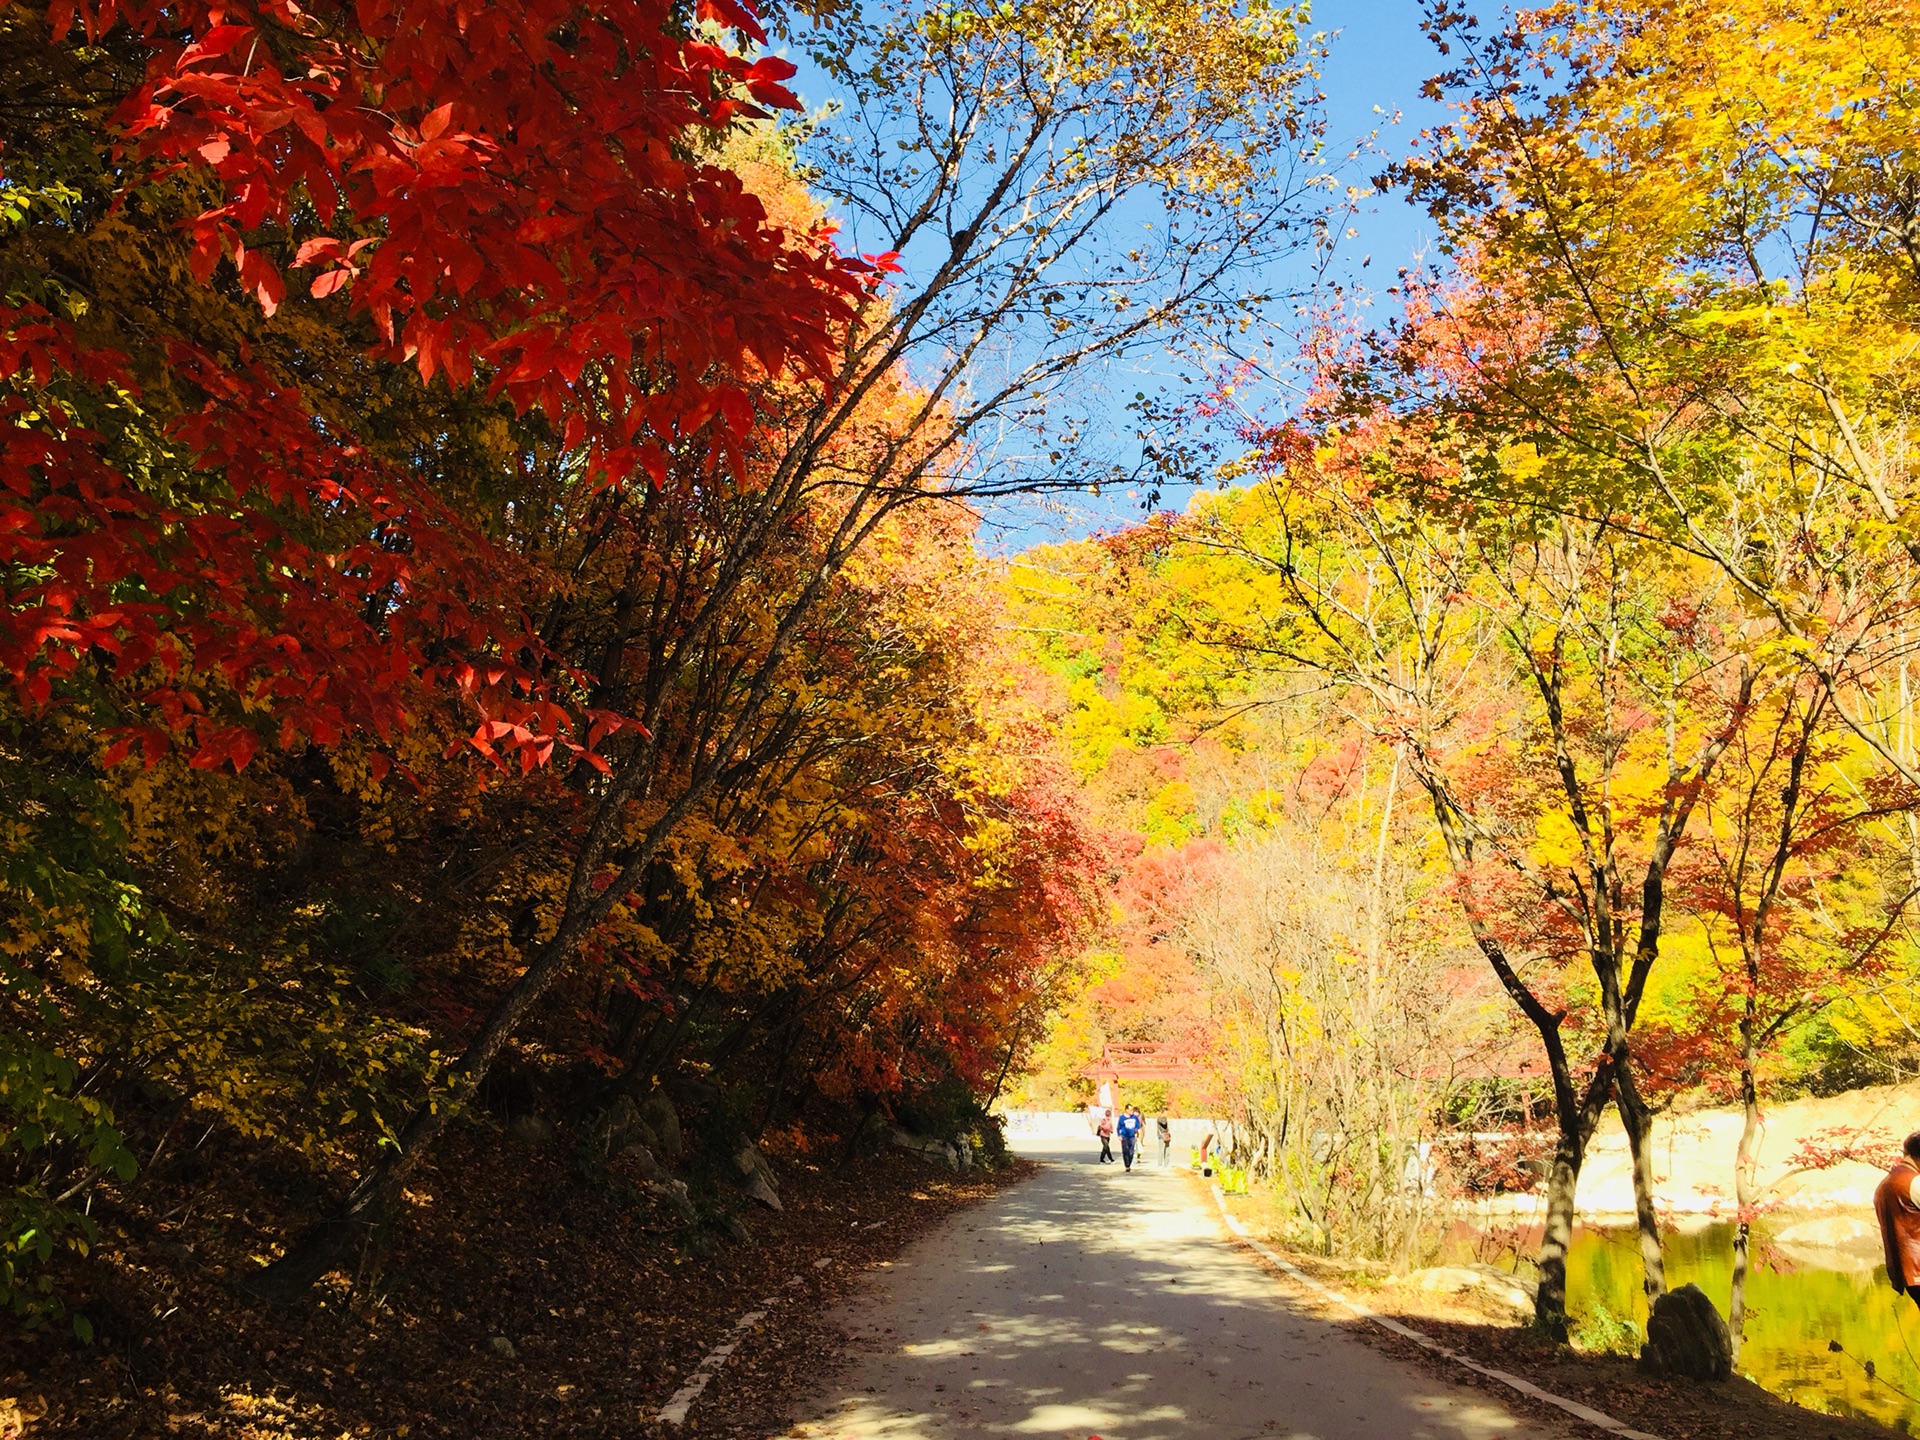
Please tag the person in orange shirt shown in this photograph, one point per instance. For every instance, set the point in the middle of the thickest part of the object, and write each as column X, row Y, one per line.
column 1897, row 1204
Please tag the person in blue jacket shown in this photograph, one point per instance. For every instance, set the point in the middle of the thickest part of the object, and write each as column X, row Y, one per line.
column 1130, row 1126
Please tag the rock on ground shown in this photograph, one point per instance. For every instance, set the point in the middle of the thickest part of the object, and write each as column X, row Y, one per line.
column 1687, row 1337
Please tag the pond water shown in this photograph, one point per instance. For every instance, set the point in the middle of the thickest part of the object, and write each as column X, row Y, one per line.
column 1792, row 1316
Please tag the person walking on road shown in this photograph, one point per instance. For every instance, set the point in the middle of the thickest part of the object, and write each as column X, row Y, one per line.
column 1164, row 1125
column 1131, row 1124
column 1106, row 1137
column 1897, row 1205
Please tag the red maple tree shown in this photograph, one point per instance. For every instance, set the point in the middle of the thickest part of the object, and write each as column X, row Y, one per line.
column 507, row 198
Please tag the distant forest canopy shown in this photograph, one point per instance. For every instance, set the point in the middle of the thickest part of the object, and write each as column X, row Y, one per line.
column 1202, row 765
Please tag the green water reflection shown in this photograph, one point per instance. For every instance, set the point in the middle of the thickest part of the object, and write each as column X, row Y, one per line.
column 1791, row 1317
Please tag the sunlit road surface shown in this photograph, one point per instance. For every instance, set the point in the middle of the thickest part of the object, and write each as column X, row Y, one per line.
column 1090, row 1302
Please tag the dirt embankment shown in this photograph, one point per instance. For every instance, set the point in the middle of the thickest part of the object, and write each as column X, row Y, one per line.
column 543, row 1302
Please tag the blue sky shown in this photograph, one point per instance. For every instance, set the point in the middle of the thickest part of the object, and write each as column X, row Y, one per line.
column 1377, row 61
column 1378, row 57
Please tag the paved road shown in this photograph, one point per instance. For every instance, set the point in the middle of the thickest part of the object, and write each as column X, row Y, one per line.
column 1089, row 1302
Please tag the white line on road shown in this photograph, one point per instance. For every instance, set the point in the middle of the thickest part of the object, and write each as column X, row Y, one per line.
column 674, row 1412
column 1596, row 1418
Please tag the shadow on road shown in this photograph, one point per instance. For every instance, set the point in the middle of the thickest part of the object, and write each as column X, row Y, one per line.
column 1093, row 1302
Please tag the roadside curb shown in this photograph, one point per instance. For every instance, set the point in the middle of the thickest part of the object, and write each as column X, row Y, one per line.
column 674, row 1412
column 1586, row 1413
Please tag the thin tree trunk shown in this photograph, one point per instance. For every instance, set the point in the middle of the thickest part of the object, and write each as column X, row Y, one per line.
column 1013, row 1046
column 1575, row 1118
column 1637, row 1121
column 779, row 1081
column 1743, row 1188
column 327, row 1245
column 853, row 1140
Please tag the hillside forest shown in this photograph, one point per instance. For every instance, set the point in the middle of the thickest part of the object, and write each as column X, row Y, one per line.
column 502, row 652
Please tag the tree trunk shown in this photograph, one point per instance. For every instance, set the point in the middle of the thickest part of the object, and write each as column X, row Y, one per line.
column 1550, row 1300
column 1743, row 1189
column 1013, row 1046
column 1577, row 1121
column 1638, row 1123
column 326, row 1245
column 853, row 1140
